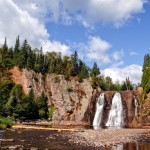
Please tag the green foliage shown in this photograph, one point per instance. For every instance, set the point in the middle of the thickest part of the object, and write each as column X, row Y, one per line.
column 69, row 88
column 42, row 106
column 20, row 105
column 146, row 71
column 74, row 62
column 16, row 51
column 5, row 88
column 51, row 110
column 95, row 70
column 6, row 122
column 127, row 85
column 83, row 71
column 148, row 112
column 23, row 55
column 56, row 79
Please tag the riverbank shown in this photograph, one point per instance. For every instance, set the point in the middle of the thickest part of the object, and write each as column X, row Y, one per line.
column 109, row 137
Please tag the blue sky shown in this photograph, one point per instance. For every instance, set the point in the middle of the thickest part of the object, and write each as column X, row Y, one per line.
column 113, row 33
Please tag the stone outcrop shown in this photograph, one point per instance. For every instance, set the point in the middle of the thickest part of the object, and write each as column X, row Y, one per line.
column 28, row 79
column 70, row 98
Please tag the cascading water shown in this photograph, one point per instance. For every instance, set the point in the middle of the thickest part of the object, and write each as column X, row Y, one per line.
column 136, row 106
column 99, row 111
column 115, row 118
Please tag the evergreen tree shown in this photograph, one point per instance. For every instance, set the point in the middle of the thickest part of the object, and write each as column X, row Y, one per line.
column 4, row 55
column 146, row 71
column 5, row 89
column 74, row 59
column 94, row 75
column 83, row 71
column 23, row 55
column 30, row 59
column 16, row 51
column 42, row 106
column 95, row 70
column 108, row 83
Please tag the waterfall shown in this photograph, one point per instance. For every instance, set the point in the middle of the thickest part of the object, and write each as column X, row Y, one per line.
column 136, row 106
column 99, row 111
column 115, row 118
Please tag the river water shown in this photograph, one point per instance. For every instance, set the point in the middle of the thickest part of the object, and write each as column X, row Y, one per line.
column 52, row 140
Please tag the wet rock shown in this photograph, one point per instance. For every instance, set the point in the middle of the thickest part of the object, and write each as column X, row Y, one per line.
column 13, row 147
column 6, row 140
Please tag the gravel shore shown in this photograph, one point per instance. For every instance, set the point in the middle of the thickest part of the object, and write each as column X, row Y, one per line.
column 108, row 137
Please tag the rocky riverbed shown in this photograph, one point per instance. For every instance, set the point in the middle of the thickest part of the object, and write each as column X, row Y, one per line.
column 109, row 137
column 75, row 139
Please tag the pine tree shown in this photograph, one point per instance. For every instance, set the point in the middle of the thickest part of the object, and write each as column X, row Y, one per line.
column 146, row 72
column 42, row 106
column 95, row 70
column 83, row 71
column 74, row 59
column 23, row 54
column 4, row 54
column 30, row 59
column 16, row 51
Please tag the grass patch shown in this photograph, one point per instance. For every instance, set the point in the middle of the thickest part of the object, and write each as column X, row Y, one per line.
column 6, row 122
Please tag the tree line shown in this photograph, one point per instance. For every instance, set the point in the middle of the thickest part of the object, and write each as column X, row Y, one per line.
column 24, row 56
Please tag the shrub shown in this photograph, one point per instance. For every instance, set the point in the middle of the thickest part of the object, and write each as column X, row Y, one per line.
column 69, row 88
column 6, row 122
column 148, row 112
column 51, row 110
column 56, row 79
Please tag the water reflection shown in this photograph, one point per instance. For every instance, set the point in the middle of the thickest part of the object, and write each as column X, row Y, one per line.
column 132, row 146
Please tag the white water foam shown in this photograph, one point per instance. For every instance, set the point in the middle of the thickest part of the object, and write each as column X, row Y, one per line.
column 99, row 112
column 115, row 118
column 136, row 106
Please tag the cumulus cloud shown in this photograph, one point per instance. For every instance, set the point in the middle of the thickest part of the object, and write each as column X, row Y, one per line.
column 14, row 21
column 100, row 51
column 134, row 72
column 97, row 50
column 86, row 12
column 133, row 53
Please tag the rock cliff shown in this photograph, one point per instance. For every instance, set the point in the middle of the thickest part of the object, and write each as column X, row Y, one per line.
column 70, row 98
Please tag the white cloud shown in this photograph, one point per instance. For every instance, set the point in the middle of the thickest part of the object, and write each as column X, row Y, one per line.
column 134, row 72
column 97, row 50
column 14, row 22
column 117, row 58
column 86, row 12
column 56, row 46
column 117, row 55
column 133, row 53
